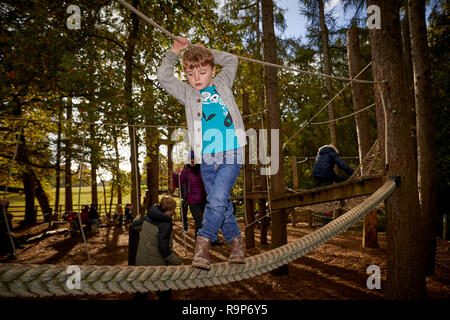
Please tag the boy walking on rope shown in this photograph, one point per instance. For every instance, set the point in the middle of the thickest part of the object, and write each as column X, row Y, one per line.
column 217, row 136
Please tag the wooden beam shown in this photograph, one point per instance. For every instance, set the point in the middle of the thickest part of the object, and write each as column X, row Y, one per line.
column 338, row 191
column 253, row 195
column 12, row 189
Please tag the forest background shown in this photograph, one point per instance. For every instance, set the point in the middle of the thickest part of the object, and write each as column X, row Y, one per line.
column 83, row 80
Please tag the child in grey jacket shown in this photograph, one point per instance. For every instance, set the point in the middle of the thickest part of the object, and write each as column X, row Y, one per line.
column 217, row 136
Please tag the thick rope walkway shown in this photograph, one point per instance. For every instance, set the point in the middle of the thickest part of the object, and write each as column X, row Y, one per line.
column 45, row 280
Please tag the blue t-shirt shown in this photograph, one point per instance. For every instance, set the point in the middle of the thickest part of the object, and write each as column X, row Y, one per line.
column 218, row 132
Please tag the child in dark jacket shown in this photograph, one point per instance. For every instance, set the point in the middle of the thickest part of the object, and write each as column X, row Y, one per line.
column 323, row 170
column 156, row 240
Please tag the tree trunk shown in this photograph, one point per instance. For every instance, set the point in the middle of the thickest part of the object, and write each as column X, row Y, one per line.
column 68, row 163
column 111, row 192
column 370, row 239
column 152, row 165
column 406, row 42
column 94, row 189
column 327, row 64
column 427, row 176
column 359, row 98
column 279, row 219
column 58, row 162
column 40, row 194
column 249, row 206
column 104, row 195
column 30, row 215
column 294, row 173
column 94, row 156
column 32, row 181
column 262, row 208
column 169, row 167
column 132, row 37
column 135, row 185
column 405, row 259
column 152, row 147
column 118, row 175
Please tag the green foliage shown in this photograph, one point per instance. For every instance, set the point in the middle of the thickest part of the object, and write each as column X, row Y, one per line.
column 438, row 39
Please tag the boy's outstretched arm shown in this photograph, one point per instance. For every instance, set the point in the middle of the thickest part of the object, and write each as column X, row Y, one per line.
column 229, row 63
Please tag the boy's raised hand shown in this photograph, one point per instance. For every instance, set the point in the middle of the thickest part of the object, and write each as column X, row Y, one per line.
column 180, row 44
column 199, row 44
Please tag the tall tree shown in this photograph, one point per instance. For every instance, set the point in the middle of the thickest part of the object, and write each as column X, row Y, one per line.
column 327, row 63
column 427, row 177
column 406, row 42
column 438, row 38
column 129, row 103
column 405, row 258
column 370, row 238
column 58, row 160
column 68, row 158
column 93, row 160
column 279, row 219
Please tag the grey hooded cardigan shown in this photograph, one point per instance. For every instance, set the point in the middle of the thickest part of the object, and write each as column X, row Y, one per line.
column 192, row 99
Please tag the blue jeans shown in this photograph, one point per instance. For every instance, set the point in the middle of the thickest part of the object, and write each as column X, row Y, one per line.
column 219, row 176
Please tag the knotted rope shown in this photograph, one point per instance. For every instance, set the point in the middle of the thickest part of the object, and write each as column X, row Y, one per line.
column 45, row 280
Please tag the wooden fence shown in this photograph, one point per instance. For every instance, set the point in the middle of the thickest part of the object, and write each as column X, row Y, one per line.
column 18, row 212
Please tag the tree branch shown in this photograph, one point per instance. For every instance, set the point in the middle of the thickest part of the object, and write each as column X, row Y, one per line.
column 28, row 162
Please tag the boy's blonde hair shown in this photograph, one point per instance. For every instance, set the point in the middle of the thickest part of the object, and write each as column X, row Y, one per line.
column 196, row 57
column 167, row 203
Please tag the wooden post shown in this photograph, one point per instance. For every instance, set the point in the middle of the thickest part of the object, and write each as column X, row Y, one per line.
column 370, row 236
column 249, row 218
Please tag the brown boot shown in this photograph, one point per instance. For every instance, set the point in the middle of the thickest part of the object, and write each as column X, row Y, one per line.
column 237, row 251
column 201, row 253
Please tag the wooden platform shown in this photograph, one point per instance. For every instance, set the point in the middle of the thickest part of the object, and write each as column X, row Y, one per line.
column 338, row 191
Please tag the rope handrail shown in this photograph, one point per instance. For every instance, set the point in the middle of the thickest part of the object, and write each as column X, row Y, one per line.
column 307, row 122
column 174, row 37
column 44, row 280
column 344, row 117
column 110, row 124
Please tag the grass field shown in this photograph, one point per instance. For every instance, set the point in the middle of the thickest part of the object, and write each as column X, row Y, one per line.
column 17, row 201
